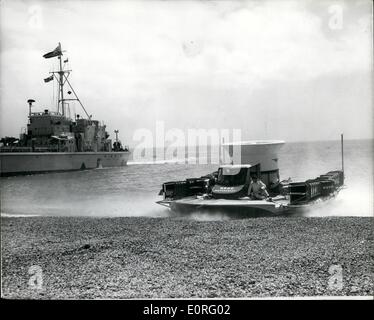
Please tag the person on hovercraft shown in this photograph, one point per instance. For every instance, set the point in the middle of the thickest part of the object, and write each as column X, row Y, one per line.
column 257, row 189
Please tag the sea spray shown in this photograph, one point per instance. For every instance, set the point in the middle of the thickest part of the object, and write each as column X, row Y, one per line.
column 353, row 200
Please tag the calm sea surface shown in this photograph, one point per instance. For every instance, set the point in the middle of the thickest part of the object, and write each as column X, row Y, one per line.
column 133, row 190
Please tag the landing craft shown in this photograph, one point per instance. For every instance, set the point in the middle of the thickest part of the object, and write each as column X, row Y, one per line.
column 226, row 190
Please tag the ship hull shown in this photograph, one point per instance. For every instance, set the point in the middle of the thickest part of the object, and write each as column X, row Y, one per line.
column 21, row 163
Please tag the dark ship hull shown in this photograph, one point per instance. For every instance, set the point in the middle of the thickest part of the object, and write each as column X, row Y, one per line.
column 22, row 163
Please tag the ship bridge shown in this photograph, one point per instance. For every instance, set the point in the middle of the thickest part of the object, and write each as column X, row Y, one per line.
column 47, row 123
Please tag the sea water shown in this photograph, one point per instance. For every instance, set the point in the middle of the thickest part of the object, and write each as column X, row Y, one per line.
column 133, row 190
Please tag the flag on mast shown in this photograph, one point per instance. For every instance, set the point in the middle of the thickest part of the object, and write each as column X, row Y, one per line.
column 48, row 79
column 54, row 53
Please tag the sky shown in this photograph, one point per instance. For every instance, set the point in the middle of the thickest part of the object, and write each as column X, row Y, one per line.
column 289, row 70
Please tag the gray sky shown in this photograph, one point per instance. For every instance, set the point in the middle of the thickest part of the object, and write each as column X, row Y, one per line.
column 292, row 70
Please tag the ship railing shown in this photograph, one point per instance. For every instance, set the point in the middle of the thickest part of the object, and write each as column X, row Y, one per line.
column 52, row 113
column 29, row 149
column 15, row 149
column 45, row 149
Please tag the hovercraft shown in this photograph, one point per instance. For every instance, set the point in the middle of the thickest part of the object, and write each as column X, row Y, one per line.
column 226, row 190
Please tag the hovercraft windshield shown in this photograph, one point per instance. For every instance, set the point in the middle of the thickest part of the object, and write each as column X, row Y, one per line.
column 233, row 180
column 232, row 176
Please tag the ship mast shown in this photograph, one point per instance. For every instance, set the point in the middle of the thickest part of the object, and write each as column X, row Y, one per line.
column 61, row 85
column 61, row 79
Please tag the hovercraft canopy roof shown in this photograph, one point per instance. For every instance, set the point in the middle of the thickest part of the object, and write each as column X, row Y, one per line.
column 264, row 152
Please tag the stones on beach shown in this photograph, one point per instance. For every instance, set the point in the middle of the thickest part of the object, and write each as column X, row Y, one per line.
column 164, row 258
column 355, row 289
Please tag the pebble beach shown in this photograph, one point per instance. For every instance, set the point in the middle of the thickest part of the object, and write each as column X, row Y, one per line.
column 128, row 257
